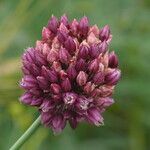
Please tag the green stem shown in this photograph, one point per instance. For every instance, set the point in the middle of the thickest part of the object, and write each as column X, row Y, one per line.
column 26, row 135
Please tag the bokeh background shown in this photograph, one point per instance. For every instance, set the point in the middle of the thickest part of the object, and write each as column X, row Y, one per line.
column 127, row 122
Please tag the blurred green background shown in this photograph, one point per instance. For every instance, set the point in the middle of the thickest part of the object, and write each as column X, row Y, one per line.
column 127, row 122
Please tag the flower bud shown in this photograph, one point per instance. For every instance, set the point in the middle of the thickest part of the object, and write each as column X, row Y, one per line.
column 53, row 24
column 35, row 91
column 70, row 45
column 46, row 34
column 89, row 87
column 74, row 27
column 66, row 85
column 53, row 77
column 104, row 102
column 92, row 39
column 57, row 66
column 104, row 33
column 95, row 93
column 64, row 56
column 46, row 106
column 52, row 56
column 45, row 118
column 94, row 29
column 98, row 78
column 55, row 88
column 103, row 47
column 113, row 60
column 40, row 59
column 81, row 65
column 58, row 123
column 84, row 26
column 94, row 50
column 94, row 117
column 55, row 44
column 112, row 77
column 36, row 101
column 64, row 20
column 63, row 75
column 106, row 90
column 39, row 45
column 73, row 122
column 46, row 49
column 28, row 82
column 81, row 78
column 83, row 51
column 42, row 82
column 93, row 66
column 26, row 98
column 34, row 69
column 72, row 73
column 62, row 36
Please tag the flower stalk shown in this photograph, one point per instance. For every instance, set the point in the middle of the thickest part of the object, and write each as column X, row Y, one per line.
column 27, row 134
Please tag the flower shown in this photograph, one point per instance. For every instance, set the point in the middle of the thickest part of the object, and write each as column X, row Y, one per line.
column 70, row 74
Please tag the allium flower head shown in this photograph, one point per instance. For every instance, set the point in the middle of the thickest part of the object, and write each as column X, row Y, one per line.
column 70, row 74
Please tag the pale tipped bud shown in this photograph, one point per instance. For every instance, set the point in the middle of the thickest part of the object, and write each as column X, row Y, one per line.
column 89, row 87
column 52, row 56
column 70, row 45
column 93, row 66
column 57, row 66
column 63, row 75
column 53, row 24
column 64, row 20
column 55, row 88
column 58, row 123
column 84, row 26
column 113, row 60
column 46, row 34
column 64, row 56
column 98, row 78
column 62, row 36
column 112, row 77
column 92, row 39
column 26, row 98
column 83, row 51
column 42, row 82
column 74, row 27
column 81, row 65
column 104, row 33
column 94, row 50
column 94, row 29
column 94, row 116
column 66, row 85
column 53, row 77
column 81, row 78
column 46, row 49
column 103, row 47
column 39, row 45
column 104, row 60
column 56, row 44
column 104, row 102
column 72, row 73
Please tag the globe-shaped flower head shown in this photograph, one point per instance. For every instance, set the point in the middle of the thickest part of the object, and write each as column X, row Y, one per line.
column 70, row 74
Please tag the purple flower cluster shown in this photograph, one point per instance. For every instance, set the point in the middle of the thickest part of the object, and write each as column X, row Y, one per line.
column 70, row 74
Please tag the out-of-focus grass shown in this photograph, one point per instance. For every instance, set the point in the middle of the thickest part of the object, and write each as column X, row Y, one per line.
column 127, row 124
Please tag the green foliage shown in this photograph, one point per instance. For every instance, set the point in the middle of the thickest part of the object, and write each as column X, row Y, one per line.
column 127, row 122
